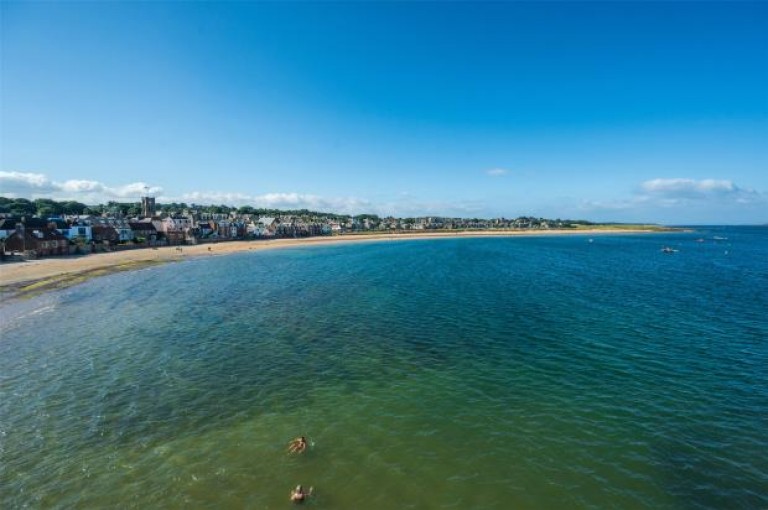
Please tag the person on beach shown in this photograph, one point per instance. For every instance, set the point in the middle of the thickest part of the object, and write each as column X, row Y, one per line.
column 299, row 495
column 298, row 445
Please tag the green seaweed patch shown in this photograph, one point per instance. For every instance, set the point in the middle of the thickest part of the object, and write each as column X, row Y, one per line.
column 30, row 289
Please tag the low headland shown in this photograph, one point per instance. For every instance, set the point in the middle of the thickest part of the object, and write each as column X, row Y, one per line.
column 24, row 279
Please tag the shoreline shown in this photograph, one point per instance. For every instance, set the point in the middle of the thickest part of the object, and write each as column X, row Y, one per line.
column 30, row 278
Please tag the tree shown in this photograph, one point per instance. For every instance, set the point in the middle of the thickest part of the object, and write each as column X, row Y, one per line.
column 133, row 209
column 72, row 207
column 5, row 204
column 47, row 207
column 22, row 207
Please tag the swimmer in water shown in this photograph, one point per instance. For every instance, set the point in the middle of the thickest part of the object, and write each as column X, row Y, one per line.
column 299, row 495
column 298, row 445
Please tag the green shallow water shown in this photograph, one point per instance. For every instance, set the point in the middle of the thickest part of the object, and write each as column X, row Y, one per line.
column 458, row 373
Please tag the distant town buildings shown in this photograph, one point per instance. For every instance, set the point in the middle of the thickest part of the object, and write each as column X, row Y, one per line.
column 111, row 227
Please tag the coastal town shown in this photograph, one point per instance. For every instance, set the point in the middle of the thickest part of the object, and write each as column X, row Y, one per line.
column 31, row 229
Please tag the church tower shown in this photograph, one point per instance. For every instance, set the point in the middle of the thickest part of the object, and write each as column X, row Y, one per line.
column 147, row 207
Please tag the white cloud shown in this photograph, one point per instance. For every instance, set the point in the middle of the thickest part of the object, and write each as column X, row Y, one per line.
column 33, row 185
column 497, row 172
column 21, row 184
column 82, row 186
column 404, row 205
column 679, row 191
column 411, row 206
column 214, row 197
column 135, row 189
column 667, row 200
column 345, row 205
column 689, row 187
column 679, row 200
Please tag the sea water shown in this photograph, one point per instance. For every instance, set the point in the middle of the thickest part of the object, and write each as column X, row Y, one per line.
column 525, row 372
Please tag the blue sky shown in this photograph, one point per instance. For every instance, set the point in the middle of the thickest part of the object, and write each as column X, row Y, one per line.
column 647, row 112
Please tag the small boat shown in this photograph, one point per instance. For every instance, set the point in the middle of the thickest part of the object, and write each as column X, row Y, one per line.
column 668, row 249
column 718, row 238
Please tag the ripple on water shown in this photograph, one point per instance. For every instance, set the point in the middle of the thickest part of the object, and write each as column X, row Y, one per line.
column 534, row 373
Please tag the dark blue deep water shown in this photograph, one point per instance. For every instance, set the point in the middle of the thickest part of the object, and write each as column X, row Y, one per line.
column 524, row 372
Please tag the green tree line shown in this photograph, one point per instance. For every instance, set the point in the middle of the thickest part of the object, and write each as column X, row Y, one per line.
column 42, row 207
column 47, row 208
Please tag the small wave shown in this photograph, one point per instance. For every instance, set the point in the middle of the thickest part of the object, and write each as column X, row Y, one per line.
column 21, row 312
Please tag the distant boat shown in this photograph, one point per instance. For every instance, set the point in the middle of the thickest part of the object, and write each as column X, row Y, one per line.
column 700, row 240
column 718, row 238
column 668, row 249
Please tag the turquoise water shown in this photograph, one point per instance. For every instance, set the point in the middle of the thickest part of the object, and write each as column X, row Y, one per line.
column 546, row 372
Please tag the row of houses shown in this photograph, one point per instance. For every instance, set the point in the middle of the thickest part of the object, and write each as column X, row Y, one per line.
column 69, row 234
column 65, row 235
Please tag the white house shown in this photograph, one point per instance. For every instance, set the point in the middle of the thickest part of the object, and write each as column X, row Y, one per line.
column 263, row 227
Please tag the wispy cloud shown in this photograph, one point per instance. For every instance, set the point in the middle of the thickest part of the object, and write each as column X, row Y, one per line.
column 345, row 205
column 689, row 187
column 497, row 172
column 403, row 205
column 679, row 199
column 23, row 184
column 412, row 206
column 34, row 185
column 680, row 191
column 665, row 200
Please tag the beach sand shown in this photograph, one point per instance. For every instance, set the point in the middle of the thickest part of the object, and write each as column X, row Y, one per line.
column 23, row 279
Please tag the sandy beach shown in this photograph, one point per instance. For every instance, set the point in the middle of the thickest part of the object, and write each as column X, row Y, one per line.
column 19, row 279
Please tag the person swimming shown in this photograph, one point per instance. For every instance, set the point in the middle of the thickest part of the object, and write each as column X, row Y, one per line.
column 299, row 495
column 298, row 445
